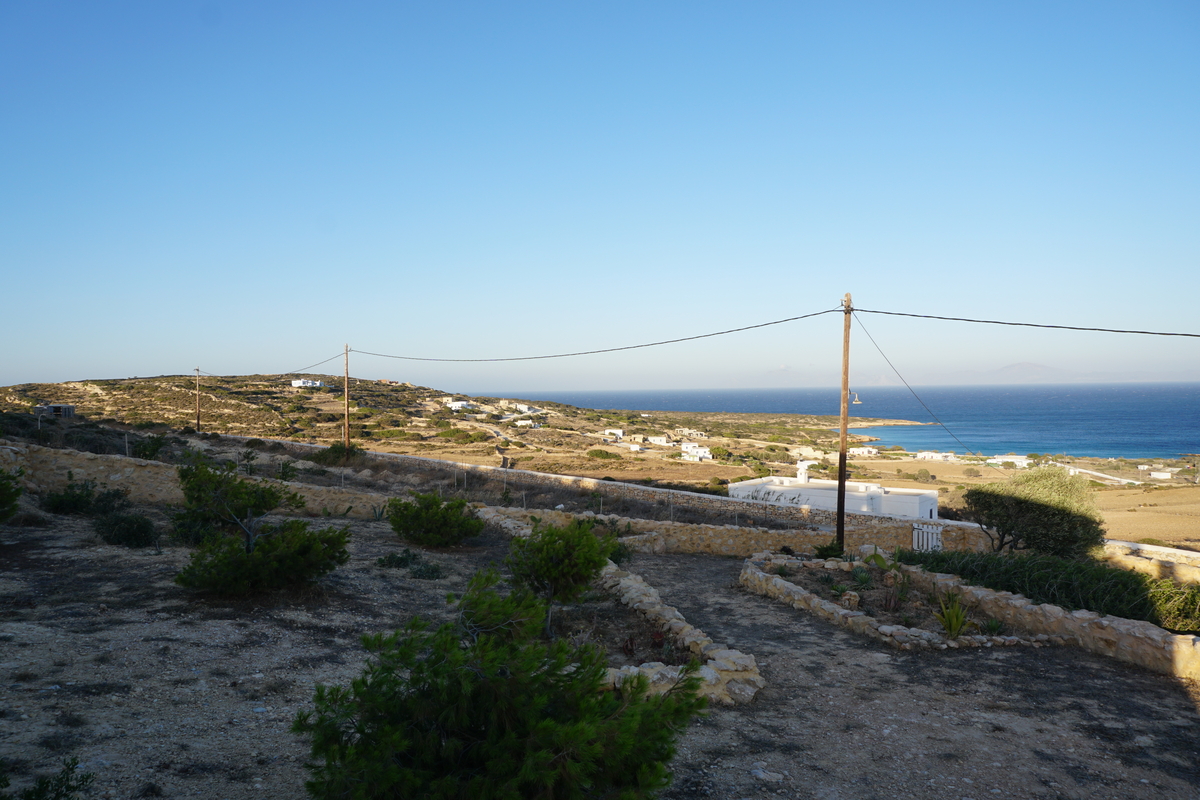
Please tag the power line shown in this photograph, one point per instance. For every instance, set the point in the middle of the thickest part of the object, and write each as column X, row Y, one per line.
column 907, row 386
column 1025, row 324
column 310, row 366
column 606, row 350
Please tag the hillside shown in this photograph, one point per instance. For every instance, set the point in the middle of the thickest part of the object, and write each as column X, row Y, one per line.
column 404, row 418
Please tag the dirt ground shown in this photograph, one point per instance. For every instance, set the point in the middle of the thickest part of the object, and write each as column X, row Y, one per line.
column 162, row 694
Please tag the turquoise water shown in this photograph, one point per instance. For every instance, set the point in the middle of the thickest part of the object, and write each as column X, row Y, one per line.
column 1142, row 420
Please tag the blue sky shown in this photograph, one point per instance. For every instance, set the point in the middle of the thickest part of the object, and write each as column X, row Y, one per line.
column 246, row 187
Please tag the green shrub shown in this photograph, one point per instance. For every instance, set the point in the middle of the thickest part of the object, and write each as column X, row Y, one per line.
column 398, row 560
column 1046, row 510
column 284, row 555
column 426, row 571
column 10, row 493
column 603, row 454
column 149, row 447
column 83, row 499
column 62, row 786
column 337, row 455
column 128, row 530
column 481, row 709
column 1073, row 584
column 218, row 501
column 429, row 521
column 559, row 563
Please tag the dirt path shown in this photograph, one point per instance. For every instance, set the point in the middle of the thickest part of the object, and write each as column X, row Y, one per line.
column 843, row 718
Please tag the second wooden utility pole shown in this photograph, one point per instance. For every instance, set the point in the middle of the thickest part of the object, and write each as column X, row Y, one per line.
column 346, row 395
column 197, row 399
column 847, row 309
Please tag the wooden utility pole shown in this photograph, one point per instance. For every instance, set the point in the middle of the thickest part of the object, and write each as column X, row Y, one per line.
column 847, row 309
column 346, row 390
column 197, row 399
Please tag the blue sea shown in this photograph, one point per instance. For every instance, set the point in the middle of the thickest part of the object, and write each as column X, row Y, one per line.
column 1133, row 420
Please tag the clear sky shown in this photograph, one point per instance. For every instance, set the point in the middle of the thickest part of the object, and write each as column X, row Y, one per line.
column 246, row 187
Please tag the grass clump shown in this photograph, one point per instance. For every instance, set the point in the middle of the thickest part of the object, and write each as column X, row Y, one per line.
column 484, row 709
column 1073, row 584
column 430, row 521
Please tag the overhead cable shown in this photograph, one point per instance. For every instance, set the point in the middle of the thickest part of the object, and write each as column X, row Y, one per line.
column 1025, row 324
column 606, row 350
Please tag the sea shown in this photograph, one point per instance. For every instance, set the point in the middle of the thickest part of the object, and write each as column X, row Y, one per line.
column 1131, row 420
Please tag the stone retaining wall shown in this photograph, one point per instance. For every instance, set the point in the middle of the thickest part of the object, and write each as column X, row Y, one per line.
column 757, row 576
column 153, row 482
column 1132, row 641
column 1182, row 566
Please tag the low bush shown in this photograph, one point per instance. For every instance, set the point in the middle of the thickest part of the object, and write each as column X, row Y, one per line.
column 337, row 455
column 83, row 499
column 482, row 709
column 10, row 493
column 430, row 521
column 603, row 454
column 284, row 555
column 558, row 563
column 1073, row 585
column 128, row 530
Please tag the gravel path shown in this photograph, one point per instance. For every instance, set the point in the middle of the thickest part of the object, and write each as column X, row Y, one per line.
column 843, row 718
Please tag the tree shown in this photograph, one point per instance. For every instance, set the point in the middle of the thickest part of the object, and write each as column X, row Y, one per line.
column 483, row 709
column 719, row 452
column 217, row 500
column 557, row 563
column 1046, row 510
column 430, row 521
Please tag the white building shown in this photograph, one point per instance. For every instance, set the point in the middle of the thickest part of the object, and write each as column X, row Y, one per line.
column 1161, row 476
column 528, row 423
column 459, row 405
column 636, row 448
column 863, row 451
column 526, row 409
column 663, row 441
column 616, row 433
column 1021, row 462
column 305, row 383
column 933, row 455
column 861, row 498
column 695, row 452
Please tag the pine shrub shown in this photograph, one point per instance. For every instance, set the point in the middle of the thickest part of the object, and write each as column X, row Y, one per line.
column 482, row 709
column 217, row 501
column 82, row 498
column 129, row 530
column 10, row 493
column 558, row 563
column 430, row 521
column 283, row 556
column 62, row 786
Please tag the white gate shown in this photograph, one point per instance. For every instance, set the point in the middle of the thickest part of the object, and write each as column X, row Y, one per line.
column 927, row 537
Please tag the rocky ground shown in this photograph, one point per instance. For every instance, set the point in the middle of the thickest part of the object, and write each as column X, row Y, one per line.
column 161, row 694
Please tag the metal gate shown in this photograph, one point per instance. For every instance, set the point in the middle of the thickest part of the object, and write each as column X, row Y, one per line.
column 927, row 537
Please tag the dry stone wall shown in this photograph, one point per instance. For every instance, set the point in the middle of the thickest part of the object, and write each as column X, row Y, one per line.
column 152, row 482
column 1181, row 566
column 1132, row 641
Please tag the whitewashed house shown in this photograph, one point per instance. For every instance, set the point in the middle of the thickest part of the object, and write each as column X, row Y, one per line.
column 933, row 455
column 459, row 405
column 305, row 383
column 616, row 433
column 528, row 423
column 695, row 452
column 862, row 451
column 662, row 441
column 1021, row 462
column 861, row 498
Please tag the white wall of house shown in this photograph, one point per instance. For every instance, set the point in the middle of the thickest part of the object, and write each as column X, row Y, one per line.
column 664, row 441
column 861, row 498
